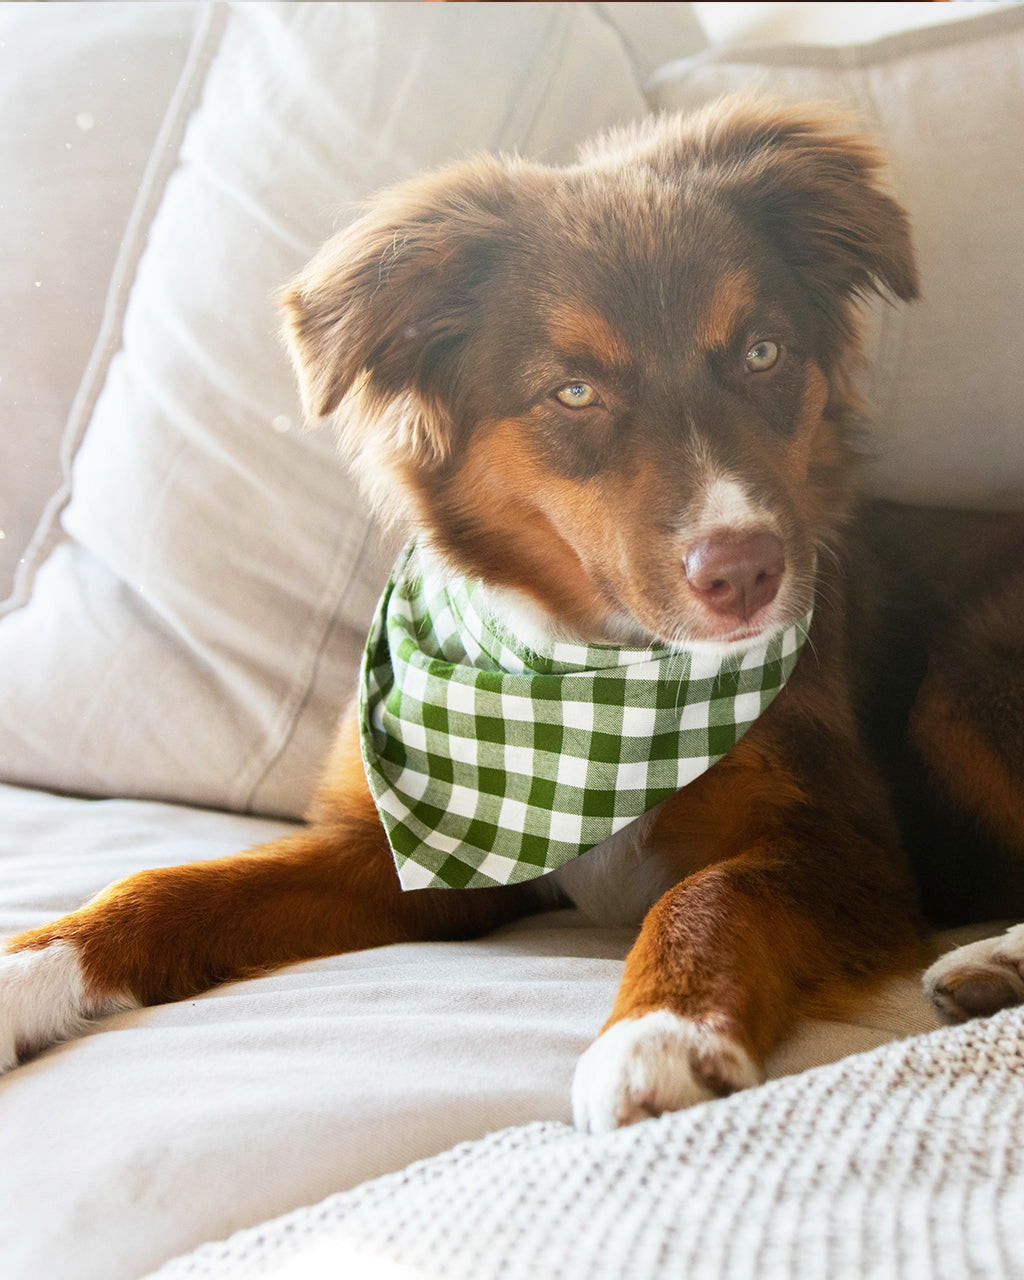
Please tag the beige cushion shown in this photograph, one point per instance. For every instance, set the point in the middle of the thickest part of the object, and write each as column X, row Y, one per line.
column 194, row 631
column 945, row 380
column 79, row 126
column 196, row 625
column 173, row 1125
column 902, row 1164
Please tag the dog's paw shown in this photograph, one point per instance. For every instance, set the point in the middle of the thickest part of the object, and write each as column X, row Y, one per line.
column 978, row 979
column 43, row 1000
column 642, row 1067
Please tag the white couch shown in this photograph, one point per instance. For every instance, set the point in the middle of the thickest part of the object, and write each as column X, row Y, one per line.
column 190, row 576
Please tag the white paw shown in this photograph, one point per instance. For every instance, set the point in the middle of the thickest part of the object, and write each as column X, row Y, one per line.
column 978, row 979
column 43, row 1000
column 642, row 1067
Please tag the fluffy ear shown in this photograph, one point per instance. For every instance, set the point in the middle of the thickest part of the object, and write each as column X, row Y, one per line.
column 815, row 186
column 803, row 177
column 383, row 311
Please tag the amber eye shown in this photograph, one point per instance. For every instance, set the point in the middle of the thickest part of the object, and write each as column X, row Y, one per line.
column 577, row 395
column 762, row 355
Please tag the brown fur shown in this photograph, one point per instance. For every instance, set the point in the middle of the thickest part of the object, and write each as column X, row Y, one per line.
column 966, row 764
column 439, row 328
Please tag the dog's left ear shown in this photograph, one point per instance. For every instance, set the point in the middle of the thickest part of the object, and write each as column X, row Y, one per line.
column 383, row 311
column 815, row 186
column 804, row 178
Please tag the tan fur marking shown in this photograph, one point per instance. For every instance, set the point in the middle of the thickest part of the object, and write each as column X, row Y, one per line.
column 816, row 453
column 522, row 547
column 729, row 303
column 574, row 329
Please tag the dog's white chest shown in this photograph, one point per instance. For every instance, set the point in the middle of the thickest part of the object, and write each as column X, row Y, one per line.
column 619, row 880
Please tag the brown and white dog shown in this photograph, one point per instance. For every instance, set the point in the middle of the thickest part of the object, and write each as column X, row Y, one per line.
column 619, row 393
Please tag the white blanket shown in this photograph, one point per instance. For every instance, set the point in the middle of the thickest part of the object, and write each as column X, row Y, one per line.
column 174, row 1125
column 900, row 1164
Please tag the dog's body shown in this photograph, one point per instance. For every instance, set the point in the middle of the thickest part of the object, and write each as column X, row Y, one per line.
column 619, row 396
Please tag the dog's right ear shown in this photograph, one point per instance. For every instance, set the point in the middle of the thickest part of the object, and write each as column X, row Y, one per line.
column 384, row 309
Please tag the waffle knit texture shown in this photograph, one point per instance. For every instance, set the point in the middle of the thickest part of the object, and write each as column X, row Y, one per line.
column 905, row 1163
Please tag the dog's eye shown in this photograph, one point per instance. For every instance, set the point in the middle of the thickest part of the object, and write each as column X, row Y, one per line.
column 577, row 395
column 762, row 356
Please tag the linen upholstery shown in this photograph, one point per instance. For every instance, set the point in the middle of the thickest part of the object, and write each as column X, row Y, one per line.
column 215, row 564
column 172, row 1125
column 79, row 130
column 904, row 1162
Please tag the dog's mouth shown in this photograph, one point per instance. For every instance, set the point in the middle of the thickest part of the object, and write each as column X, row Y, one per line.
column 736, row 640
column 690, row 625
column 747, row 635
column 694, row 630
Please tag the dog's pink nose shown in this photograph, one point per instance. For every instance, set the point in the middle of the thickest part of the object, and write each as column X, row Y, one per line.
column 736, row 575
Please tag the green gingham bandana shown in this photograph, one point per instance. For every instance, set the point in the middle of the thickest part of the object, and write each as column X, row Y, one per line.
column 491, row 763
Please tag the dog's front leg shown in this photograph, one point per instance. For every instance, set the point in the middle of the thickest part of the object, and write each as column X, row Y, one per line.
column 724, row 964
column 170, row 933
column 789, row 924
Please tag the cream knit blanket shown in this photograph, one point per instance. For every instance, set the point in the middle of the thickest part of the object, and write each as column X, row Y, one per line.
column 904, row 1163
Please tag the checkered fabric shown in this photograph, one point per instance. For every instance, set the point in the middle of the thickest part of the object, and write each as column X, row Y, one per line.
column 491, row 763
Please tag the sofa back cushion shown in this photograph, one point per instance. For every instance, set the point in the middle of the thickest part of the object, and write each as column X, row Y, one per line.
column 189, row 622
column 189, row 629
column 79, row 129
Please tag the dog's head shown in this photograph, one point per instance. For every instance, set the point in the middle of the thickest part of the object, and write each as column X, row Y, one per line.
column 620, row 388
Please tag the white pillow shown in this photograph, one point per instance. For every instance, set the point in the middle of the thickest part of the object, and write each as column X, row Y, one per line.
column 945, row 373
column 194, row 633
column 79, row 125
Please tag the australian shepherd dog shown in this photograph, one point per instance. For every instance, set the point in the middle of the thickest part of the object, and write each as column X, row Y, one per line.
column 613, row 405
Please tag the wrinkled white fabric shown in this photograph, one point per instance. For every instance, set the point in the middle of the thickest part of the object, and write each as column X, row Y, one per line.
column 173, row 1125
column 906, row 1163
column 214, row 564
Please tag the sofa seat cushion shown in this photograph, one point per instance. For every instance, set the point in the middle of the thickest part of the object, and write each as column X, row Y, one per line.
column 172, row 1125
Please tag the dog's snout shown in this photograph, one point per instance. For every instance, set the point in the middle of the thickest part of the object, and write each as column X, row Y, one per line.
column 736, row 574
